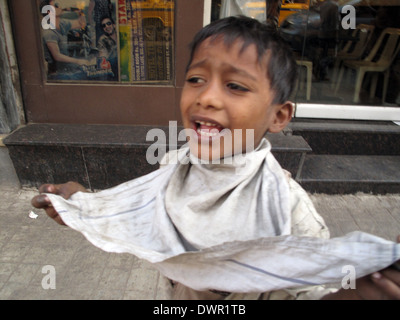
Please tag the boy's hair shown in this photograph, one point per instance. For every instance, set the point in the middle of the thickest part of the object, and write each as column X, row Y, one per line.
column 281, row 68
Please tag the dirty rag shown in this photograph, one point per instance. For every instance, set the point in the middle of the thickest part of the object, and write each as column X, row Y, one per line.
column 219, row 226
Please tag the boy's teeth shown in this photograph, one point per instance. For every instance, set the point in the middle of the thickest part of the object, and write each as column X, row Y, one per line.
column 206, row 129
column 206, row 133
column 208, row 124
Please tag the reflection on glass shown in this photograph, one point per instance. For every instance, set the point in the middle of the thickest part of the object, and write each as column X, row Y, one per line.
column 128, row 41
column 344, row 57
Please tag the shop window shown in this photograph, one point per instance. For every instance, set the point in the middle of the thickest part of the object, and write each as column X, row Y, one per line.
column 110, row 41
column 346, row 55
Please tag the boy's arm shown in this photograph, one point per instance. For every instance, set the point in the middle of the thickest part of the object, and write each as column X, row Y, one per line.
column 382, row 285
column 65, row 190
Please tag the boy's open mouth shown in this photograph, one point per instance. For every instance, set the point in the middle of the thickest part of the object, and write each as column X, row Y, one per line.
column 207, row 129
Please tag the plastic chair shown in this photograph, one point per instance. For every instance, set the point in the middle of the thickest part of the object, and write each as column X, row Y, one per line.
column 308, row 65
column 353, row 49
column 378, row 61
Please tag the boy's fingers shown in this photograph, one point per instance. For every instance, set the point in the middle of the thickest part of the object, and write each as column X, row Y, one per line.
column 393, row 275
column 58, row 189
column 47, row 188
column 59, row 220
column 388, row 286
column 53, row 214
column 65, row 190
column 41, row 201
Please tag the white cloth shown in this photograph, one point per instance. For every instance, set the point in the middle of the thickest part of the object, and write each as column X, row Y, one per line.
column 245, row 247
column 214, row 203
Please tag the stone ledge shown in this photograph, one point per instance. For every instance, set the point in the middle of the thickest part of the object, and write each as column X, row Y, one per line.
column 348, row 126
column 349, row 137
column 102, row 156
column 118, row 135
column 342, row 174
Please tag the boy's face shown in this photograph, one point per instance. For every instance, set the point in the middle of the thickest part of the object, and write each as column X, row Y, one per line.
column 227, row 90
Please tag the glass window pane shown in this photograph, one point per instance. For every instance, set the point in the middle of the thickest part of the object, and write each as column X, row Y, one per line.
column 347, row 50
column 113, row 41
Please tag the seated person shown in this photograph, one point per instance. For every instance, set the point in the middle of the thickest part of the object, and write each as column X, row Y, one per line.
column 55, row 44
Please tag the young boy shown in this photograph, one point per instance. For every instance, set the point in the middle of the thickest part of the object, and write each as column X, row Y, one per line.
column 239, row 79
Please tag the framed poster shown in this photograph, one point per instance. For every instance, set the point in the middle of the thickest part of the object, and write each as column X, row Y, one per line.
column 112, row 41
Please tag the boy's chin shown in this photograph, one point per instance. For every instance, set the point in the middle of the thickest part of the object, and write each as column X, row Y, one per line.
column 209, row 154
column 223, row 146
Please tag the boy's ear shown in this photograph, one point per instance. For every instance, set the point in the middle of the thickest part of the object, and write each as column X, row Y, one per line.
column 283, row 115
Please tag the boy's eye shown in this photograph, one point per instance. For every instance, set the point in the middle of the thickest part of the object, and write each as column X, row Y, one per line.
column 236, row 87
column 195, row 80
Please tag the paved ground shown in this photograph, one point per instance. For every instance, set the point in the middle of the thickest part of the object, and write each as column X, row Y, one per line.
column 82, row 271
column 376, row 214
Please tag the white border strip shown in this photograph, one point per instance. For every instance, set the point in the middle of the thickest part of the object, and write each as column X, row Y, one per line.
column 349, row 112
column 207, row 12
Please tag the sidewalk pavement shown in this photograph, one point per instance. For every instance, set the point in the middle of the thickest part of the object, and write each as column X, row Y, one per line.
column 37, row 253
column 82, row 271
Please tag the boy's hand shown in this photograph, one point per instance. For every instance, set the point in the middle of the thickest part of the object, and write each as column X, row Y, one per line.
column 65, row 190
column 382, row 285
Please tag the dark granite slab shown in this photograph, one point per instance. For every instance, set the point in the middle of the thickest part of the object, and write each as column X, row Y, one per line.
column 107, row 167
column 349, row 137
column 102, row 156
column 288, row 143
column 81, row 135
column 335, row 174
column 36, row 165
column 319, row 125
column 121, row 135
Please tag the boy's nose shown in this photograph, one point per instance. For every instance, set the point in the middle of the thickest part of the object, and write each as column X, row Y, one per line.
column 211, row 96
